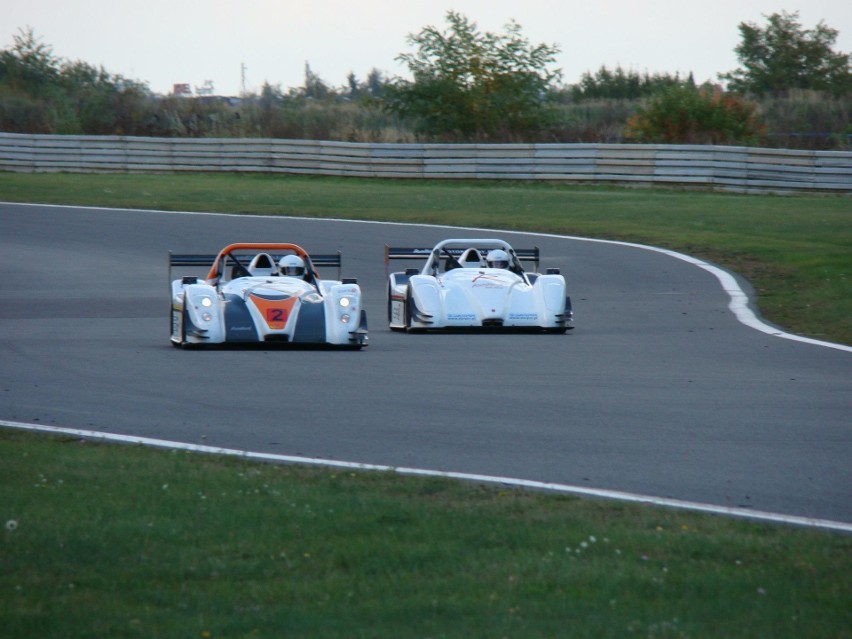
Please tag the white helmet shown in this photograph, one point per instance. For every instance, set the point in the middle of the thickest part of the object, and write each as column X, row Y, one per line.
column 497, row 258
column 292, row 265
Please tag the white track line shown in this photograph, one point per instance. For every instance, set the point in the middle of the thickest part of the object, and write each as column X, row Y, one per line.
column 489, row 479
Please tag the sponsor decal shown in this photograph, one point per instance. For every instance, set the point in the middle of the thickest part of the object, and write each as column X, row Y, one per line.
column 523, row 316
column 455, row 317
column 487, row 280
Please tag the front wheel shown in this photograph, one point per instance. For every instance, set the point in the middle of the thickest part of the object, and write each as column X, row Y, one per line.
column 174, row 319
column 390, row 305
column 183, row 343
column 409, row 304
column 390, row 313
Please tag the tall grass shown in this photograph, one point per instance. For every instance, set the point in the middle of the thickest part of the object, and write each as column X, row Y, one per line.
column 325, row 120
column 806, row 120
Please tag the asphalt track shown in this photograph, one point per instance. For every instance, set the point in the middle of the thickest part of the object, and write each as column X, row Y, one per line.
column 659, row 391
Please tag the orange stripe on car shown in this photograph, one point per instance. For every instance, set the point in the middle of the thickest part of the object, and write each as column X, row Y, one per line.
column 274, row 312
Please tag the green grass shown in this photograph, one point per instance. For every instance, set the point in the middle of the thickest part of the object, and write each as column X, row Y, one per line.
column 112, row 541
column 796, row 250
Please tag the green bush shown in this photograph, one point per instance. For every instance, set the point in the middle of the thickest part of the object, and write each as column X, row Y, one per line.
column 684, row 115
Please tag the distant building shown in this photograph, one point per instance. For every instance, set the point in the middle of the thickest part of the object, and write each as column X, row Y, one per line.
column 205, row 89
column 182, row 89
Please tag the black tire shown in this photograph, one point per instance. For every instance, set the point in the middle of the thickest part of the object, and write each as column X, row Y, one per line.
column 409, row 304
column 171, row 328
column 183, row 343
column 390, row 313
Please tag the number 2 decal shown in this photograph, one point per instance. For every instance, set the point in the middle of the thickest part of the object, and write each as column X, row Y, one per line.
column 276, row 315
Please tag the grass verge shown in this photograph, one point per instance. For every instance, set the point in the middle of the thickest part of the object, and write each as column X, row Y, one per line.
column 796, row 250
column 101, row 541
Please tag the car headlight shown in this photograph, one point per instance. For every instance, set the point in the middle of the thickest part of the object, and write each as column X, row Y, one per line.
column 206, row 302
column 344, row 302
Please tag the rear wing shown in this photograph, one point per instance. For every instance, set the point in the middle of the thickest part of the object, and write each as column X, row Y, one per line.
column 408, row 253
column 206, row 260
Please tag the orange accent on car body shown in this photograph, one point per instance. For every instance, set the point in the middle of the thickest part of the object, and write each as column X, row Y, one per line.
column 274, row 312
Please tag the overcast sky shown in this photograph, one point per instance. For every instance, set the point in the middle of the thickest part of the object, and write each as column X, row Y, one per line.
column 163, row 42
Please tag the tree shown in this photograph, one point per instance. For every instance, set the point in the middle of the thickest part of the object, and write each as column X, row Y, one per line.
column 375, row 83
column 473, row 85
column 29, row 65
column 31, row 92
column 623, row 85
column 315, row 87
column 365, row 91
column 354, row 87
column 45, row 94
column 784, row 56
column 686, row 115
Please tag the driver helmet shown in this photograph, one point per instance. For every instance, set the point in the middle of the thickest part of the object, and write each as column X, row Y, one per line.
column 292, row 265
column 497, row 258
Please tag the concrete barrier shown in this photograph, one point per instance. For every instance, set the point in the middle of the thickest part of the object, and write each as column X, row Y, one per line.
column 730, row 168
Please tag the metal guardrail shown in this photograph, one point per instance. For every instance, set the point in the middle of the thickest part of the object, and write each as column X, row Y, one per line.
column 731, row 168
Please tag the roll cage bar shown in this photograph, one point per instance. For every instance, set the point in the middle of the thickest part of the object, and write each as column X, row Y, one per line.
column 454, row 248
column 221, row 261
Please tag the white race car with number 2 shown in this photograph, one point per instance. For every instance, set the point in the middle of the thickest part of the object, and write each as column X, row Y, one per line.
column 266, row 293
column 475, row 284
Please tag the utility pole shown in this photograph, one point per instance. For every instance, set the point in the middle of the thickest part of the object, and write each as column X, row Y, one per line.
column 242, row 79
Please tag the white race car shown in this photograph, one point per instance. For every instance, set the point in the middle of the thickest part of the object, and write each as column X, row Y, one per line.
column 264, row 293
column 481, row 284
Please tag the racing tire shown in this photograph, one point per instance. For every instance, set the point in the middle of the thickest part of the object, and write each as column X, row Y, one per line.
column 409, row 304
column 183, row 343
column 390, row 313
column 171, row 328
